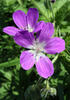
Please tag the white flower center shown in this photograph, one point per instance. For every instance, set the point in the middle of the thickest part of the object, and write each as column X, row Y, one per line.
column 37, row 49
column 29, row 28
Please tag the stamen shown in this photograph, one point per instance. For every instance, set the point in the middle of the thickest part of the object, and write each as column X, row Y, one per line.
column 37, row 49
column 29, row 28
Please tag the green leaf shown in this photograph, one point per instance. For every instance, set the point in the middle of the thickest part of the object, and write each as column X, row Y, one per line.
column 42, row 9
column 58, row 5
column 10, row 63
column 10, row 2
column 62, row 11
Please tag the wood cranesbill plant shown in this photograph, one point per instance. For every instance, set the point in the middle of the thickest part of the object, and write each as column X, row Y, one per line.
column 37, row 46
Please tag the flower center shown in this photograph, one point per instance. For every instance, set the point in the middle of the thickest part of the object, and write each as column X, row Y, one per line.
column 37, row 49
column 29, row 28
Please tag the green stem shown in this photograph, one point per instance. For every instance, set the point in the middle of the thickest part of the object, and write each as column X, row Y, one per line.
column 54, row 60
column 20, row 2
column 47, row 85
column 52, row 11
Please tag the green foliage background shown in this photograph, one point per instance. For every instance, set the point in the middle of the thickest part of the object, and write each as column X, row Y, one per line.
column 17, row 84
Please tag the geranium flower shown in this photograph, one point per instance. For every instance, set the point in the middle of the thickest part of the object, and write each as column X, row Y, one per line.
column 37, row 47
column 24, row 22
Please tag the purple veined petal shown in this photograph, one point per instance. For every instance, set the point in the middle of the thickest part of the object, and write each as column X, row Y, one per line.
column 38, row 26
column 19, row 18
column 32, row 17
column 10, row 30
column 27, row 60
column 24, row 39
column 55, row 45
column 42, row 39
column 44, row 67
column 47, row 31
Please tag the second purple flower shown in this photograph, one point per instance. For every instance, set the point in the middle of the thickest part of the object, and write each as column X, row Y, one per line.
column 24, row 22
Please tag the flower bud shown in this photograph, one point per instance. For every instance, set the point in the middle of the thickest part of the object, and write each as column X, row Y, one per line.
column 53, row 91
column 53, row 1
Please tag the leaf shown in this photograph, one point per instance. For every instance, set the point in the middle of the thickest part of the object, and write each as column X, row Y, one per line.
column 10, row 63
column 63, row 70
column 42, row 9
column 10, row 2
column 7, row 75
column 62, row 11
column 58, row 5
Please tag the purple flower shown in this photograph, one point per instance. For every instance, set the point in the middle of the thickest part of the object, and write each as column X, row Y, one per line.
column 24, row 22
column 37, row 47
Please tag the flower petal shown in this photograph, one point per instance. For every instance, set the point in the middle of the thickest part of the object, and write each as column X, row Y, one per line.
column 32, row 17
column 55, row 45
column 24, row 39
column 27, row 60
column 10, row 30
column 19, row 18
column 45, row 67
column 47, row 31
column 38, row 26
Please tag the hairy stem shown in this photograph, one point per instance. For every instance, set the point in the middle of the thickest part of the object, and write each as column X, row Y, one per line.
column 55, row 58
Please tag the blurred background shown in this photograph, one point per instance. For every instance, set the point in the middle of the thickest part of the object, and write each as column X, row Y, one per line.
column 17, row 84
